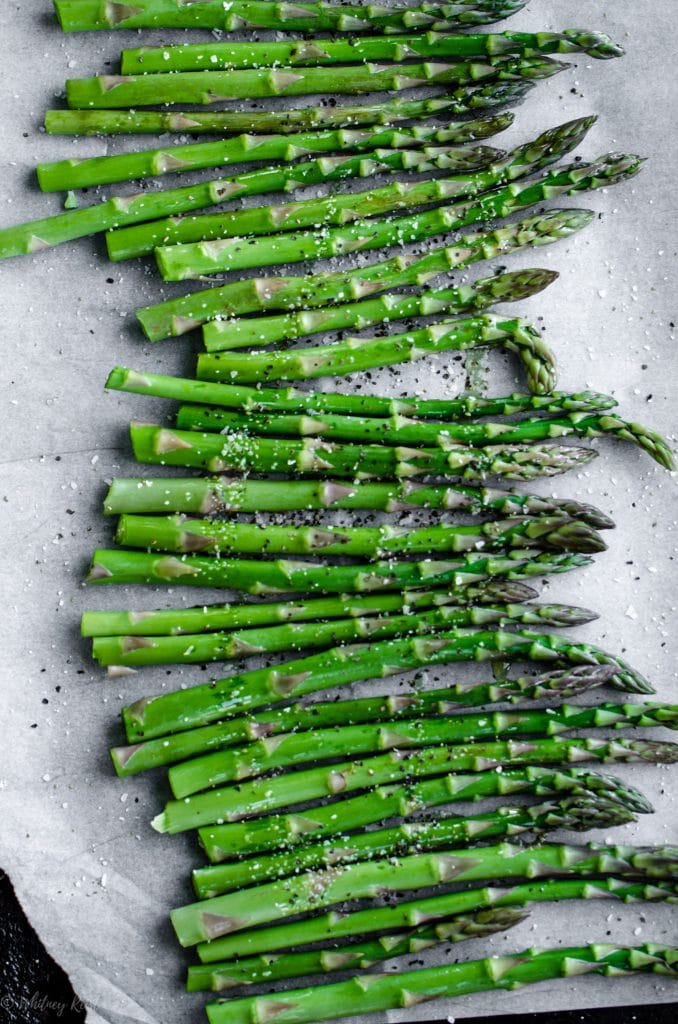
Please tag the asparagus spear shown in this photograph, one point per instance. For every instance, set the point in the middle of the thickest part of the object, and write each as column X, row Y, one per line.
column 319, row 52
column 177, row 316
column 454, row 103
column 33, row 236
column 207, row 87
column 285, row 831
column 83, row 15
column 238, row 911
column 203, row 647
column 129, row 760
column 61, row 175
column 260, row 796
column 220, row 495
column 402, row 430
column 208, row 618
column 261, row 756
column 216, row 453
column 236, row 695
column 178, row 533
column 141, row 239
column 253, row 970
column 318, row 403
column 256, row 332
column 353, row 354
column 214, row 806
column 181, row 262
column 539, row 153
column 287, row 576
column 368, row 993
column 547, row 861
column 578, row 813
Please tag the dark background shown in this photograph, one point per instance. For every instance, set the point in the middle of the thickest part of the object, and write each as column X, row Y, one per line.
column 34, row 990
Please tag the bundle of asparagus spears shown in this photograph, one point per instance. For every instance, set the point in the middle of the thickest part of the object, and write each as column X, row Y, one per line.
column 303, row 799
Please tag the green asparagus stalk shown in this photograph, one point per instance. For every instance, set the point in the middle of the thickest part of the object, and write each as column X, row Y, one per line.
column 207, row 87
column 84, row 15
column 257, row 332
column 238, row 911
column 354, row 354
column 210, row 618
column 204, row 647
column 254, row 970
column 403, row 430
column 285, row 831
column 526, row 159
column 287, row 576
column 178, row 533
column 319, row 52
column 177, row 316
column 36, row 235
column 237, row 695
column 141, row 239
column 129, row 760
column 578, row 813
column 245, row 452
column 454, row 103
column 287, row 750
column 219, row 495
column 101, row 170
column 318, row 403
column 256, row 797
column 369, row 993
column 182, row 262
column 214, row 806
column 546, row 861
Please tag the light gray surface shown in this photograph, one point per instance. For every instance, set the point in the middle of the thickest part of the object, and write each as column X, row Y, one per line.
column 94, row 879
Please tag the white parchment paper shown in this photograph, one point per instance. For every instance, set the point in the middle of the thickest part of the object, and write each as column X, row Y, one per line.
column 94, row 879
